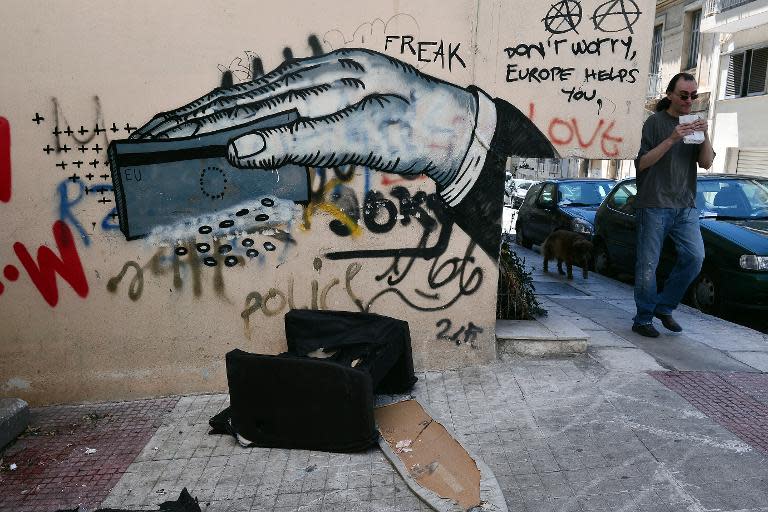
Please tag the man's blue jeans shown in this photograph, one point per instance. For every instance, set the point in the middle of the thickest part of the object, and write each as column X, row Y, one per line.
column 653, row 226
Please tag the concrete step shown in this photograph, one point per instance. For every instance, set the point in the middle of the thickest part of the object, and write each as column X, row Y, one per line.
column 543, row 336
column 14, row 418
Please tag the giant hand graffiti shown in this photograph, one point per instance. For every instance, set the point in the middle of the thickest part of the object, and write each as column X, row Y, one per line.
column 354, row 106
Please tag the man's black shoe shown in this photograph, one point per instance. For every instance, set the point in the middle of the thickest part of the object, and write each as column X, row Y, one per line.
column 647, row 330
column 669, row 322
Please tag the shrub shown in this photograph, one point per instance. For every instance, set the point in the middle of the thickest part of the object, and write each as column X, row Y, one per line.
column 515, row 294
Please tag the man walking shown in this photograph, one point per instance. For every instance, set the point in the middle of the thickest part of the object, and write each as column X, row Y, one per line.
column 666, row 204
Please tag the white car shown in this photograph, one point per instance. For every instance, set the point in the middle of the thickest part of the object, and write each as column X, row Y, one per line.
column 516, row 190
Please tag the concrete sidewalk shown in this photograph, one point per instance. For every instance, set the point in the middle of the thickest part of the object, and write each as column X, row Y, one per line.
column 603, row 308
column 674, row 424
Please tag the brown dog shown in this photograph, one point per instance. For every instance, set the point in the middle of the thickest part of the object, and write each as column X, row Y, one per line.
column 569, row 247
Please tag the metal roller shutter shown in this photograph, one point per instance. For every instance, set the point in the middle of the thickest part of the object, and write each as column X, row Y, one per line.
column 753, row 161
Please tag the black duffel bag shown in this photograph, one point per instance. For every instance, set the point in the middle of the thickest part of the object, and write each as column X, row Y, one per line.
column 319, row 394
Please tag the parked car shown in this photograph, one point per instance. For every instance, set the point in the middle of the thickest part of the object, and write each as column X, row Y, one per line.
column 563, row 203
column 516, row 190
column 734, row 225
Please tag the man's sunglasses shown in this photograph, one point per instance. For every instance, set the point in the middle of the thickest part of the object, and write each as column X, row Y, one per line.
column 686, row 97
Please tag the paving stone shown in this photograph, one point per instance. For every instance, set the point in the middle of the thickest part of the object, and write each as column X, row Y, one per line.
column 674, row 350
column 757, row 360
column 724, row 398
column 56, row 467
column 565, row 434
column 605, row 338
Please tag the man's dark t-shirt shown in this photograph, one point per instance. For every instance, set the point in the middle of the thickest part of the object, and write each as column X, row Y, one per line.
column 670, row 182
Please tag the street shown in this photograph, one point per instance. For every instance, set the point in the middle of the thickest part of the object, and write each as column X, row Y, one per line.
column 752, row 319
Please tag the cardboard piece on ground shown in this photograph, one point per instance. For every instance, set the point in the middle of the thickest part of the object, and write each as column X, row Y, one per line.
column 431, row 455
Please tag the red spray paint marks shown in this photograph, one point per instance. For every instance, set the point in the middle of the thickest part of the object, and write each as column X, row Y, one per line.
column 563, row 132
column 389, row 180
column 5, row 160
column 43, row 271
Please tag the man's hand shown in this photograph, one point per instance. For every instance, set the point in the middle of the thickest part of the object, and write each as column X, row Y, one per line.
column 355, row 107
column 682, row 130
column 700, row 125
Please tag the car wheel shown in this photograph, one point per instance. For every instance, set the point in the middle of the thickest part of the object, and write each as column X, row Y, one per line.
column 602, row 260
column 705, row 293
column 521, row 239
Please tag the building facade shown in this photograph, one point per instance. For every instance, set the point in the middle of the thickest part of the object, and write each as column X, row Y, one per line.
column 724, row 44
column 738, row 105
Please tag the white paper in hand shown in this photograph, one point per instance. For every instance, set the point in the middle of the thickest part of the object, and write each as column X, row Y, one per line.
column 695, row 137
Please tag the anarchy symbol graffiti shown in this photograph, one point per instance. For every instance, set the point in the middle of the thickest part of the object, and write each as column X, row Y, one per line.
column 563, row 17
column 616, row 16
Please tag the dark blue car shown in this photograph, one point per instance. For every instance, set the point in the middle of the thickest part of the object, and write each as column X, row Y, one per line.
column 562, row 203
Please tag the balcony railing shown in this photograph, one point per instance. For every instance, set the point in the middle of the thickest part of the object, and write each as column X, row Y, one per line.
column 654, row 86
column 712, row 7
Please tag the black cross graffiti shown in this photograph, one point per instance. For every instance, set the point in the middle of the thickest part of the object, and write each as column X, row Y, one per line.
column 56, row 131
column 114, row 128
column 104, row 176
column 89, row 176
column 47, row 149
column 66, row 148
column 98, row 130
column 62, row 164
column 104, row 200
column 93, row 163
column 82, row 130
column 97, row 148
column 69, row 131
column 78, row 163
column 74, row 178
column 38, row 118
column 87, row 190
column 82, row 149
column 129, row 128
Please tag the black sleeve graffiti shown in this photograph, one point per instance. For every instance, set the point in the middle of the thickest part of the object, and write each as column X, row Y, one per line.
column 479, row 213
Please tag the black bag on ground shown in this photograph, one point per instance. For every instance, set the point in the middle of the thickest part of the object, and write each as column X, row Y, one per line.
column 185, row 503
column 319, row 394
column 381, row 345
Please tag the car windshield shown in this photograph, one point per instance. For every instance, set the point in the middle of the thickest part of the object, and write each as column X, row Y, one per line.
column 583, row 193
column 525, row 185
column 732, row 198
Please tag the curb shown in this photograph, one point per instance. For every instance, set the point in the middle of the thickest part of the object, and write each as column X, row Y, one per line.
column 14, row 418
column 543, row 336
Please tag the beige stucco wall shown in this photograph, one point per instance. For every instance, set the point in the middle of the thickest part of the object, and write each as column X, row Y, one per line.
column 138, row 320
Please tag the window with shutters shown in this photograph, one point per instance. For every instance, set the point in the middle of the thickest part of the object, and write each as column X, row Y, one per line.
column 654, row 75
column 746, row 73
column 694, row 39
column 757, row 69
column 735, row 75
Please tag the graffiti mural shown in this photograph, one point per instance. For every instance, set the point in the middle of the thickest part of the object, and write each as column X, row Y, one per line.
column 348, row 107
column 5, row 160
column 43, row 269
column 352, row 157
